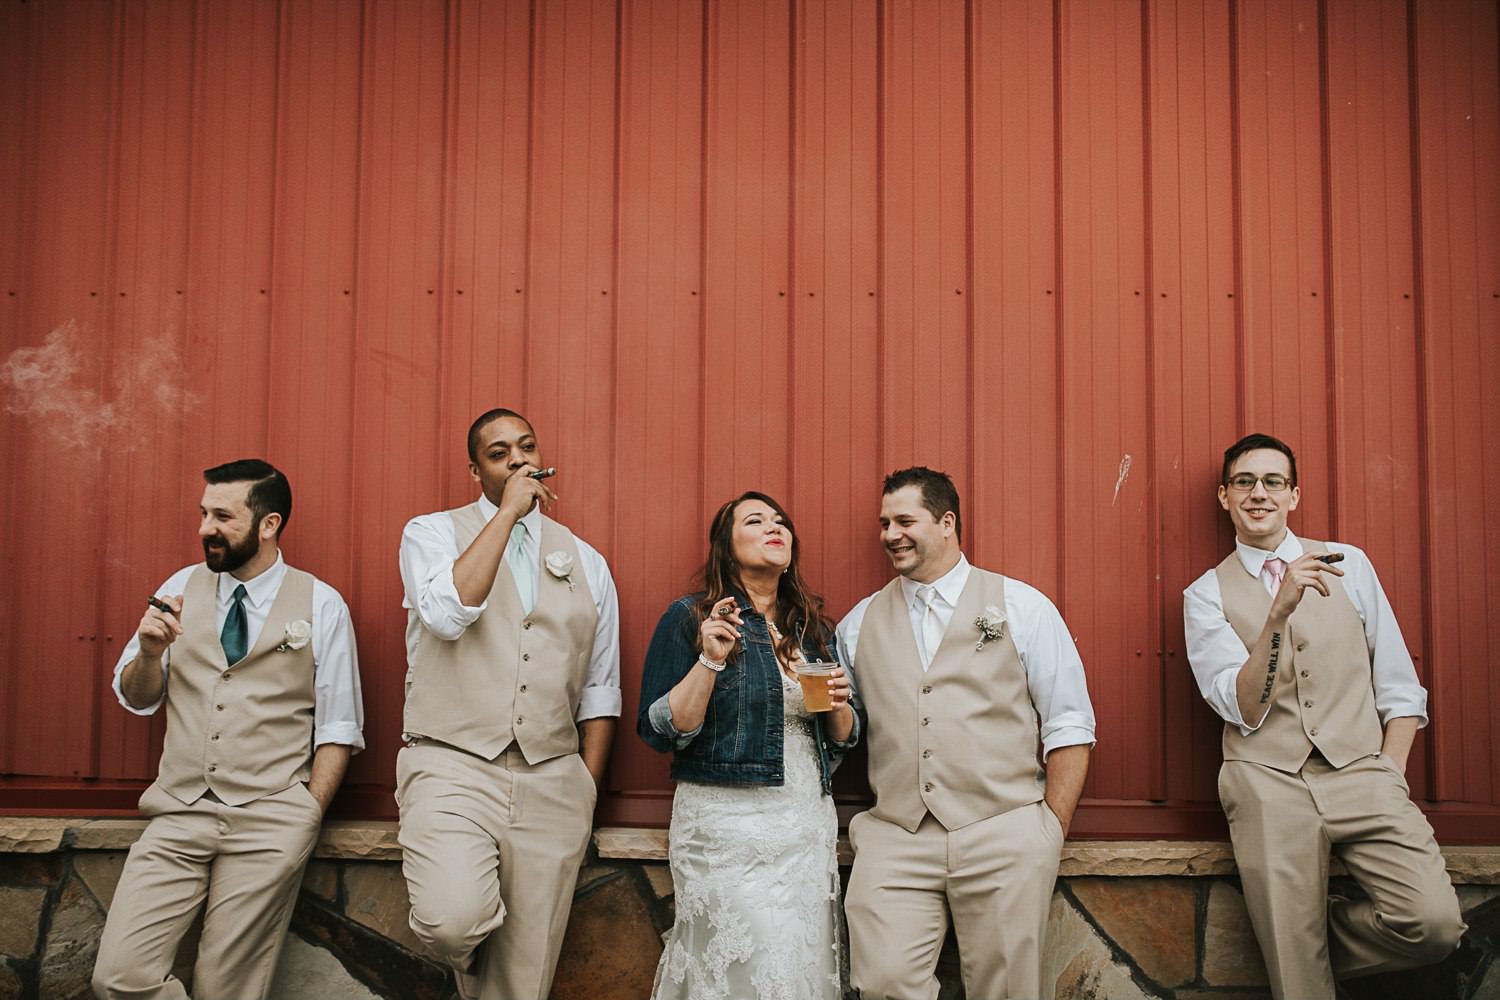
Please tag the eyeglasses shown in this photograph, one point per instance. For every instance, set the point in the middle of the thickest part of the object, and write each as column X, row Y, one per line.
column 1244, row 482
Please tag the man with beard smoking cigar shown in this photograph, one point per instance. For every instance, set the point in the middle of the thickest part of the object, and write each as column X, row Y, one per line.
column 256, row 665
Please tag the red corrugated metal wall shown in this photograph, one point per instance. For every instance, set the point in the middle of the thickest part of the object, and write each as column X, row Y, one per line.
column 1065, row 250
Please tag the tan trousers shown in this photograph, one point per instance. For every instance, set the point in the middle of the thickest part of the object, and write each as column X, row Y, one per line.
column 491, row 851
column 244, row 861
column 994, row 877
column 1283, row 827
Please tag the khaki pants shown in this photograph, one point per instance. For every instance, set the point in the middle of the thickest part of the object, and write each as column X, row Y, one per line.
column 490, row 850
column 245, row 862
column 994, row 877
column 1283, row 827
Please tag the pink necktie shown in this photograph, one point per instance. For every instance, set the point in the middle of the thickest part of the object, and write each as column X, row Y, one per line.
column 1277, row 569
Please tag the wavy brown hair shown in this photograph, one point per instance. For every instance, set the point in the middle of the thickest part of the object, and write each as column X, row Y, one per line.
column 799, row 611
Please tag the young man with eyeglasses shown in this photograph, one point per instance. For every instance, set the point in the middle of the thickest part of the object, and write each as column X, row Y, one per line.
column 1294, row 644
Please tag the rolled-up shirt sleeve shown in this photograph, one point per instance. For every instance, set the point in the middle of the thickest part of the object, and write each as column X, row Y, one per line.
column 1398, row 692
column 600, row 696
column 338, row 703
column 428, row 551
column 1215, row 652
column 1054, row 670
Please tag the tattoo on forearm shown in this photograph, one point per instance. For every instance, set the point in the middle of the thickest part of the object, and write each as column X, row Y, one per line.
column 1265, row 695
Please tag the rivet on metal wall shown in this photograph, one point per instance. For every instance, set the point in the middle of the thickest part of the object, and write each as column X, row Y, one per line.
column 958, row 291
column 458, row 291
column 346, row 291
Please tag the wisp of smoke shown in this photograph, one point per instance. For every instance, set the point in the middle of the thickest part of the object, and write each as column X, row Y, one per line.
column 45, row 386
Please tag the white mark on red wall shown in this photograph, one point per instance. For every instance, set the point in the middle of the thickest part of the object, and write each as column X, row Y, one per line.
column 1120, row 480
column 59, row 389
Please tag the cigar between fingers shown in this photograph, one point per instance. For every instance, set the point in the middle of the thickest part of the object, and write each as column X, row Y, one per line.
column 161, row 605
column 546, row 473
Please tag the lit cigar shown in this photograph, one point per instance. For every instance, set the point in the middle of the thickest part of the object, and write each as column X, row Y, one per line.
column 546, row 473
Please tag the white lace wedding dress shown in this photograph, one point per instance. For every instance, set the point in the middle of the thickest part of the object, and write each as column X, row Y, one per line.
column 757, row 884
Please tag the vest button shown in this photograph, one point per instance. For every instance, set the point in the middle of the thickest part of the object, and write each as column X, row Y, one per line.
column 519, row 720
column 1301, row 646
column 226, row 675
column 1307, row 703
column 927, row 689
column 214, row 737
column 927, row 787
column 218, row 708
column 212, row 768
column 1306, row 674
column 924, row 720
column 1313, row 731
column 525, row 656
column 527, row 625
column 926, row 754
column 523, row 688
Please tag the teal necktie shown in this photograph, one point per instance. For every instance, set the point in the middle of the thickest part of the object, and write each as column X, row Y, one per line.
column 520, row 570
column 233, row 636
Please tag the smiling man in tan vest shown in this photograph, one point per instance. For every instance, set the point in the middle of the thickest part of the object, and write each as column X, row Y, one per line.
column 970, row 680
column 1294, row 644
column 255, row 662
column 513, row 691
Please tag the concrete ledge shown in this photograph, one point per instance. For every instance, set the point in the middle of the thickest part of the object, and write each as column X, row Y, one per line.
column 360, row 840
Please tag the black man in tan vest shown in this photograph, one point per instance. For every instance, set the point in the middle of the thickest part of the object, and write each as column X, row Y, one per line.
column 513, row 692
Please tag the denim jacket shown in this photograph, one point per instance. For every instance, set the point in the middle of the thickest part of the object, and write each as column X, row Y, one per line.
column 740, row 740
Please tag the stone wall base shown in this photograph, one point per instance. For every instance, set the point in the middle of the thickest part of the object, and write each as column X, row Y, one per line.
column 1112, row 937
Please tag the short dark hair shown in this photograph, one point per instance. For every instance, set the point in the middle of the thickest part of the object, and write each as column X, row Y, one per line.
column 1255, row 442
column 269, row 489
column 486, row 417
column 939, row 495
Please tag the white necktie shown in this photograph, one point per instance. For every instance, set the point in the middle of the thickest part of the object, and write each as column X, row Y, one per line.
column 520, row 569
column 930, row 634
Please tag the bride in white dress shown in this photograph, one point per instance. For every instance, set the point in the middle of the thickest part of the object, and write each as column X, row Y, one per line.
column 752, row 843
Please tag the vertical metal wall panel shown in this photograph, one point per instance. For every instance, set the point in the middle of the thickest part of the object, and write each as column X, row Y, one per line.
column 1013, row 503
column 782, row 245
column 1106, row 398
column 1192, row 261
column 1377, row 423
column 1457, row 136
column 925, row 337
column 835, row 406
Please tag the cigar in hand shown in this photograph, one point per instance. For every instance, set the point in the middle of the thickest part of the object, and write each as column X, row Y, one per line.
column 161, row 605
column 546, row 473
column 1330, row 558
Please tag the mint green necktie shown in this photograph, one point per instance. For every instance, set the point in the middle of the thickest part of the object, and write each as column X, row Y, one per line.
column 520, row 570
column 234, row 635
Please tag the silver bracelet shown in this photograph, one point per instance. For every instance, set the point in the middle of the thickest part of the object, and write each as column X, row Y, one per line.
column 717, row 668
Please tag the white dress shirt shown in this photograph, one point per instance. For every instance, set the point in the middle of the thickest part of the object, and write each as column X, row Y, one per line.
column 338, row 709
column 1216, row 652
column 429, row 548
column 1054, row 670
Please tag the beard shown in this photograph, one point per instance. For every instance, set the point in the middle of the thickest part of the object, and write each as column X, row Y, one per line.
column 225, row 555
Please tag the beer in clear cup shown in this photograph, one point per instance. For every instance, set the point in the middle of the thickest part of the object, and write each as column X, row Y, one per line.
column 814, row 679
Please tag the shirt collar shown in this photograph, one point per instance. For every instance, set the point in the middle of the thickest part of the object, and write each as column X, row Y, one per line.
column 261, row 590
column 1254, row 560
column 532, row 520
column 949, row 586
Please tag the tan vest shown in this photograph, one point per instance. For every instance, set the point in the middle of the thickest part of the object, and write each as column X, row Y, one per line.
column 959, row 741
column 510, row 676
column 243, row 731
column 1324, row 694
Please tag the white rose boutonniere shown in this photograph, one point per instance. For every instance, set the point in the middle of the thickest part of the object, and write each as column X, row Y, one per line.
column 991, row 625
column 560, row 565
column 298, row 634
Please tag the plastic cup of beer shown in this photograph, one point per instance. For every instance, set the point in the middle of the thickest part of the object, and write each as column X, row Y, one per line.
column 814, row 679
